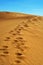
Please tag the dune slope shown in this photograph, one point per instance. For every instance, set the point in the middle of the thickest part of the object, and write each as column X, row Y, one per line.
column 21, row 39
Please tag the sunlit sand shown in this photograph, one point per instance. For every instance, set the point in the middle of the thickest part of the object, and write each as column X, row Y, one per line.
column 21, row 39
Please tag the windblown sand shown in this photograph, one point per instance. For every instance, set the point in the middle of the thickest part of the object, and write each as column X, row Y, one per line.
column 21, row 39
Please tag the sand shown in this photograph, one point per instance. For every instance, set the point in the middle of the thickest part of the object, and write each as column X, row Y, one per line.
column 21, row 39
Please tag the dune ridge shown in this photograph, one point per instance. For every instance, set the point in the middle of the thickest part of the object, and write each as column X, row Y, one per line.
column 12, row 15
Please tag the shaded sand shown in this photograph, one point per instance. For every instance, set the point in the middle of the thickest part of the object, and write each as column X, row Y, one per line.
column 21, row 39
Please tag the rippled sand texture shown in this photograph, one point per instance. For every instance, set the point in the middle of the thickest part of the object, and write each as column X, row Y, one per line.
column 21, row 39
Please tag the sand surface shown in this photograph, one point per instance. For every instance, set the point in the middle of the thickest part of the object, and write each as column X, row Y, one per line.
column 21, row 39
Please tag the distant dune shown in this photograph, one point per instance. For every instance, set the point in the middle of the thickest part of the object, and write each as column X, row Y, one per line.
column 21, row 39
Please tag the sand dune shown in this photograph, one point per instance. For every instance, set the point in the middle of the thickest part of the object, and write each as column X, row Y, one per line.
column 21, row 39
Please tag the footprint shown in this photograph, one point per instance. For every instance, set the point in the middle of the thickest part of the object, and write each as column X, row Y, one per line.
column 7, row 39
column 6, row 52
column 18, row 54
column 5, row 47
column 17, row 61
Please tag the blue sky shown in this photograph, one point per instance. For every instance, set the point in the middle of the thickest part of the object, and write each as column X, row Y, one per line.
column 23, row 6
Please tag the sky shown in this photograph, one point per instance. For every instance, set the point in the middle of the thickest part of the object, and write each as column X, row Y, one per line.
column 34, row 7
